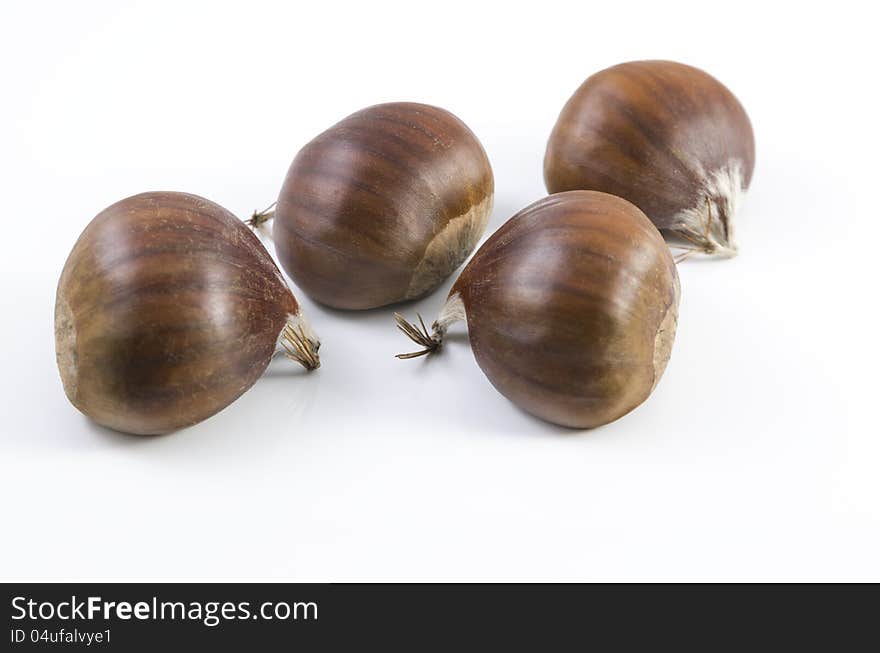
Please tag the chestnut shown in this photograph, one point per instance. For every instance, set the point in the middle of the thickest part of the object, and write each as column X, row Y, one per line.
column 167, row 310
column 383, row 206
column 669, row 138
column 571, row 308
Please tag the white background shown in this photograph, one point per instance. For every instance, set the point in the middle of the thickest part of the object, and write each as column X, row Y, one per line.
column 757, row 458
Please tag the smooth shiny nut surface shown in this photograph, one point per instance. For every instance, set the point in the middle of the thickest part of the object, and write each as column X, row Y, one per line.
column 167, row 310
column 669, row 138
column 383, row 206
column 571, row 308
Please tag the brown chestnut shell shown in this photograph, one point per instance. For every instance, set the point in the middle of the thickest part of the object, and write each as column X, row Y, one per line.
column 666, row 136
column 167, row 310
column 571, row 308
column 383, row 206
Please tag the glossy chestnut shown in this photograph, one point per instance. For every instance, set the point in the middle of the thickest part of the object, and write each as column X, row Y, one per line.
column 383, row 206
column 669, row 138
column 167, row 310
column 571, row 308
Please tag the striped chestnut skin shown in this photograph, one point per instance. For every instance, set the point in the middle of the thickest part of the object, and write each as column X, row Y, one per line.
column 571, row 308
column 167, row 310
column 383, row 206
column 669, row 138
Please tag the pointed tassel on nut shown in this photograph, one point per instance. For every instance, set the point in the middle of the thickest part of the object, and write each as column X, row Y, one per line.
column 299, row 344
column 259, row 220
column 431, row 341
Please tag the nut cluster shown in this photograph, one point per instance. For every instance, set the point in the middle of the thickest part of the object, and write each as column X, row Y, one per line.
column 169, row 307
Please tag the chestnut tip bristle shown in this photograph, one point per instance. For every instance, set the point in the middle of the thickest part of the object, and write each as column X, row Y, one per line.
column 259, row 218
column 298, row 347
column 708, row 227
column 419, row 335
